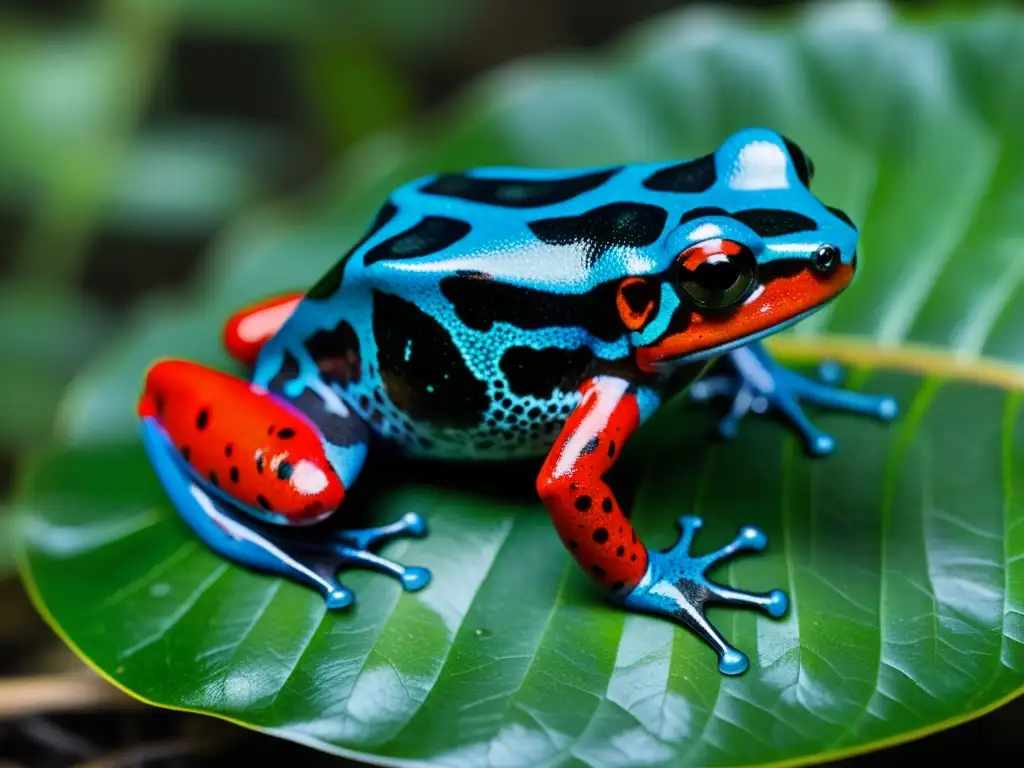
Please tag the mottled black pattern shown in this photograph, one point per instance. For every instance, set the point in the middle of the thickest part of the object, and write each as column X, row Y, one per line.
column 693, row 176
column 772, row 222
column 338, row 430
column 480, row 302
column 841, row 215
column 336, row 353
column 779, row 268
column 701, row 213
column 430, row 235
column 422, row 370
column 622, row 224
column 801, row 162
column 516, row 193
column 538, row 372
column 329, row 284
column 680, row 320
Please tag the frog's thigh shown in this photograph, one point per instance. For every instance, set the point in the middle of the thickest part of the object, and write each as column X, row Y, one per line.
column 243, row 443
column 583, row 508
column 249, row 328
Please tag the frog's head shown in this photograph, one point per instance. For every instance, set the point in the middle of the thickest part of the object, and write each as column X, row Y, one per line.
column 764, row 254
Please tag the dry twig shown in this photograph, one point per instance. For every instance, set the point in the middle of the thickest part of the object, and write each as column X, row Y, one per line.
column 49, row 694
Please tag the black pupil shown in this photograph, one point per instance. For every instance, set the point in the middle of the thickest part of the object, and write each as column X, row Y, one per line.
column 718, row 275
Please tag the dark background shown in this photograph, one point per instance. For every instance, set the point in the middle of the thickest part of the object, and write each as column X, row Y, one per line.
column 287, row 91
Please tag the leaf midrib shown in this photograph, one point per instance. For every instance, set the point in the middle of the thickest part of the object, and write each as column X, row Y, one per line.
column 921, row 360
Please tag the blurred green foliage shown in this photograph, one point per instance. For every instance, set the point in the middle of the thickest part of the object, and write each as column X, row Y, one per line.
column 905, row 617
column 114, row 180
column 110, row 186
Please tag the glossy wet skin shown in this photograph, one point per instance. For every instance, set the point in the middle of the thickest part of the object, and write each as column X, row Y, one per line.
column 478, row 303
column 502, row 313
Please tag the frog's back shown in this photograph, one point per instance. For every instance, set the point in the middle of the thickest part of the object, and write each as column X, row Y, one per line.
column 465, row 319
column 463, row 322
column 554, row 230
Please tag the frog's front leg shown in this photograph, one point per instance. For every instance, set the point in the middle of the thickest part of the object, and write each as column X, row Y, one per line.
column 248, row 329
column 599, row 536
column 758, row 383
column 252, row 476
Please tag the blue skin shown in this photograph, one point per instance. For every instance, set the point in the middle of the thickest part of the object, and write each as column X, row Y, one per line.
column 753, row 169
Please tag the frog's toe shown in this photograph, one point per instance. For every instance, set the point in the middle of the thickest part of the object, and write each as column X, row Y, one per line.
column 409, row 525
column 415, row 525
column 882, row 407
column 415, row 578
column 816, row 441
column 887, row 408
column 675, row 585
column 338, row 598
column 831, row 373
column 412, row 578
column 732, row 662
column 759, row 385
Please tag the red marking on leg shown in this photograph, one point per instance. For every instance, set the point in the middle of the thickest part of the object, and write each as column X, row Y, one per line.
column 585, row 512
column 254, row 446
column 248, row 329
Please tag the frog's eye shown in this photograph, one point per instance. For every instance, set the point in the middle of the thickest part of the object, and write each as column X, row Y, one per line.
column 717, row 274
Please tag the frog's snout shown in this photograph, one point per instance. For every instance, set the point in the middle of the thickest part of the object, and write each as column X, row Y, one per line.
column 782, row 292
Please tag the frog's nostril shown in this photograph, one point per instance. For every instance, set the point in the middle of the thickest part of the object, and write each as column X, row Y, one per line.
column 826, row 259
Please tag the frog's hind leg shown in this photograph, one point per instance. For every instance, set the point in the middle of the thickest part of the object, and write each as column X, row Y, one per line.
column 759, row 384
column 251, row 474
column 223, row 530
column 248, row 329
column 599, row 536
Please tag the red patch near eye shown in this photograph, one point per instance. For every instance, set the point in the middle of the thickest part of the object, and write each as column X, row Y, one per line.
column 770, row 306
column 635, row 301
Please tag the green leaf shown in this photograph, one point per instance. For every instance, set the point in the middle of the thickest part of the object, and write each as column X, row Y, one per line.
column 901, row 551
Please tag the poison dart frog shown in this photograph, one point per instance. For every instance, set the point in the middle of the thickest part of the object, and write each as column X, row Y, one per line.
column 504, row 313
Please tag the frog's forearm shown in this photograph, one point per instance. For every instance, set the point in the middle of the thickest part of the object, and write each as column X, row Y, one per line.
column 583, row 508
column 250, row 327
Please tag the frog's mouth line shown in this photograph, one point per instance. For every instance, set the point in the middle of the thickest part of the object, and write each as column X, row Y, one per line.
column 774, row 306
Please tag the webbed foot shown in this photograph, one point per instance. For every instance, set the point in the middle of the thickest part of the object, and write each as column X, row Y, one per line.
column 759, row 384
column 308, row 555
column 676, row 586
